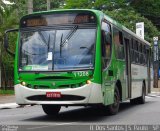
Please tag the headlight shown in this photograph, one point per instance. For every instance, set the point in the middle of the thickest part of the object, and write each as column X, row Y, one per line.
column 88, row 82
column 23, row 83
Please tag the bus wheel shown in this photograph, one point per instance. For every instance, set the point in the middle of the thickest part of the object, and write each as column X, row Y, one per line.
column 113, row 109
column 141, row 99
column 51, row 110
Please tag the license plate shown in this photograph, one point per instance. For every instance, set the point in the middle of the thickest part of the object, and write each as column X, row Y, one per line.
column 53, row 94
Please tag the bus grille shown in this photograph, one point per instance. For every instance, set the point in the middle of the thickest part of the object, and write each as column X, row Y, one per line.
column 63, row 98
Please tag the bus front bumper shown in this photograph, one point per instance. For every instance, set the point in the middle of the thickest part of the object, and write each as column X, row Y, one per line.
column 87, row 94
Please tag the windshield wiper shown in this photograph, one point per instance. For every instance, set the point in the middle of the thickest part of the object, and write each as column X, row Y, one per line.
column 60, row 45
column 69, row 35
column 65, row 41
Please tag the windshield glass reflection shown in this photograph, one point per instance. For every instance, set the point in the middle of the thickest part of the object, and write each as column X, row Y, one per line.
column 62, row 49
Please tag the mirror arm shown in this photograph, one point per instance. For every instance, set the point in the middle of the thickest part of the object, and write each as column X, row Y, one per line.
column 10, row 52
column 11, row 30
column 6, row 45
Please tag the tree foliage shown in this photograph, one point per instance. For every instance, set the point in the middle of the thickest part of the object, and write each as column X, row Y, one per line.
column 126, row 12
column 131, row 18
column 9, row 20
column 96, row 4
column 41, row 5
column 123, row 11
column 149, row 9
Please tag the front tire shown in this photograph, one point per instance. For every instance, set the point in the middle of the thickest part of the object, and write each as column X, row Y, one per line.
column 51, row 110
column 114, row 108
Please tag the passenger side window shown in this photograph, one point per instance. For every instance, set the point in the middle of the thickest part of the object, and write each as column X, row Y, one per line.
column 106, row 40
column 118, row 41
column 132, row 52
column 136, row 52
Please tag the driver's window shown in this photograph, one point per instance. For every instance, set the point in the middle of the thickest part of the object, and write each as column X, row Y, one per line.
column 106, row 43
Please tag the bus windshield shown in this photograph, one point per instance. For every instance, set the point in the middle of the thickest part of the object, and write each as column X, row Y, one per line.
column 57, row 49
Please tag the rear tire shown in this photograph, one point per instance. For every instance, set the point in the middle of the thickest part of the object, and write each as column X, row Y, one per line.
column 51, row 110
column 141, row 99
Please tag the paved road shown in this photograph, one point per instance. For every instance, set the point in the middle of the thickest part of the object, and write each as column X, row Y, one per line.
column 71, row 118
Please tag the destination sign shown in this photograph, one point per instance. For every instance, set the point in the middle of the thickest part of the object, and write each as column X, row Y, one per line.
column 57, row 19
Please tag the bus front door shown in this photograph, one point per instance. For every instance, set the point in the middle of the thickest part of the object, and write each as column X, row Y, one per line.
column 128, row 67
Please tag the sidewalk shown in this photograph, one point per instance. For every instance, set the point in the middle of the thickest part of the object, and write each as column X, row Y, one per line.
column 157, row 90
column 8, row 102
column 7, row 99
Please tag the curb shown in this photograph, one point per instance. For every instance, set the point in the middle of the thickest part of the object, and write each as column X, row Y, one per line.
column 155, row 93
column 12, row 106
column 9, row 106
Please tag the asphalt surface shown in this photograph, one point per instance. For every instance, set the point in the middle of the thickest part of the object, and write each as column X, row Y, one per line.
column 80, row 118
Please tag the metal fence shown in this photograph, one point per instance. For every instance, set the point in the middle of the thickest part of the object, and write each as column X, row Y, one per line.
column 7, row 79
column 6, row 72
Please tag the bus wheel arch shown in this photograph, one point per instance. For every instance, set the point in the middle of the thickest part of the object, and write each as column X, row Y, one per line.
column 141, row 99
column 144, row 86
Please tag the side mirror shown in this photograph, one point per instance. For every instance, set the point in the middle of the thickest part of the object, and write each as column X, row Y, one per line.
column 6, row 43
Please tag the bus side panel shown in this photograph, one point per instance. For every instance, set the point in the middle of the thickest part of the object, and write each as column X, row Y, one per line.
column 110, row 80
column 108, row 86
column 139, row 73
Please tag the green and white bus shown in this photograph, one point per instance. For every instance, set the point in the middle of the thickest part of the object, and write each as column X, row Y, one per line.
column 78, row 57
